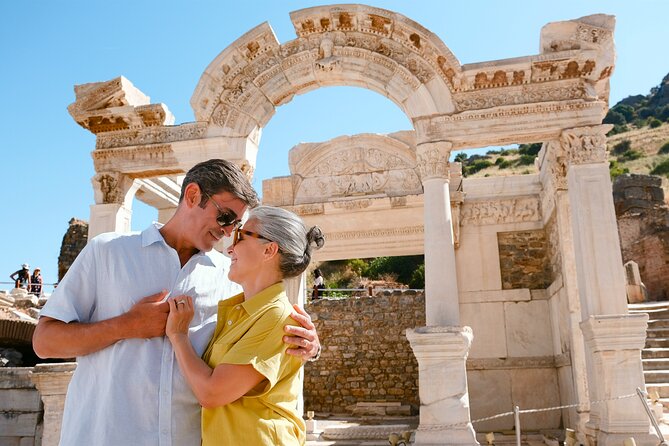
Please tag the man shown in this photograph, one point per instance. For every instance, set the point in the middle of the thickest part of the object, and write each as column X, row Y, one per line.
column 127, row 388
column 21, row 277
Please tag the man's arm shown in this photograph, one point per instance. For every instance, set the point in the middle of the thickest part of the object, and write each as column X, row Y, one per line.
column 303, row 340
column 57, row 339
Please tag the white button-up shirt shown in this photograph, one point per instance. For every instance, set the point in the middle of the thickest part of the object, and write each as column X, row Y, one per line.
column 132, row 392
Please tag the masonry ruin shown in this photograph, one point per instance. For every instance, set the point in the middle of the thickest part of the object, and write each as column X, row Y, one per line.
column 495, row 335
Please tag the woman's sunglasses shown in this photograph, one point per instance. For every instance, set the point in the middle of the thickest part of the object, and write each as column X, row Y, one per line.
column 239, row 234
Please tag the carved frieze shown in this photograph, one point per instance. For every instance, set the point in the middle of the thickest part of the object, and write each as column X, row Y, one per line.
column 488, row 212
column 307, row 209
column 397, row 182
column 377, row 233
column 586, row 145
column 350, row 205
column 156, row 135
column 516, row 95
column 155, row 156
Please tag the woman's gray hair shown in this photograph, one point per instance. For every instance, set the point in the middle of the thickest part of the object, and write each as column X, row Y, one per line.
column 289, row 232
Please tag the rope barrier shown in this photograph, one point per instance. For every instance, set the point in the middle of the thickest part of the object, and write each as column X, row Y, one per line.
column 523, row 411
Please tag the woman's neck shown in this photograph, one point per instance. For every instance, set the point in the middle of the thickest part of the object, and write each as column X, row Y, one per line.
column 255, row 285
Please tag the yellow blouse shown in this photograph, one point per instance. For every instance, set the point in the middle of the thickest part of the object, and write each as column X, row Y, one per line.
column 251, row 332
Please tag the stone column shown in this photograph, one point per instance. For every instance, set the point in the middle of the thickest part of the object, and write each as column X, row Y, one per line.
column 600, row 272
column 615, row 343
column 613, row 338
column 555, row 199
column 112, row 212
column 441, row 284
column 52, row 380
column 444, row 399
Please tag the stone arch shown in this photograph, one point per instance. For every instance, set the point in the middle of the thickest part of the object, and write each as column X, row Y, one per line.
column 338, row 45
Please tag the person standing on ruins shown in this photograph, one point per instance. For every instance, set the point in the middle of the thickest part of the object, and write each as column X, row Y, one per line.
column 127, row 388
column 21, row 277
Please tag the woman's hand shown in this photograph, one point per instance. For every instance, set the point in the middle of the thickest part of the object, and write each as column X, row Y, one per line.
column 181, row 313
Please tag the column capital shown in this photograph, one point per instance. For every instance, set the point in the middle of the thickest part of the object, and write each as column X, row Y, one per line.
column 585, row 145
column 432, row 160
column 112, row 188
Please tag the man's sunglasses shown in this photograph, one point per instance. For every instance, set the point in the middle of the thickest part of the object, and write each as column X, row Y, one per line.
column 239, row 233
column 225, row 218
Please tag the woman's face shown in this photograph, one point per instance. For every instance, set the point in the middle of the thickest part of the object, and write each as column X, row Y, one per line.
column 247, row 255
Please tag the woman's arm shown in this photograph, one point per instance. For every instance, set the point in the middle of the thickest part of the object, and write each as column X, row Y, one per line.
column 212, row 388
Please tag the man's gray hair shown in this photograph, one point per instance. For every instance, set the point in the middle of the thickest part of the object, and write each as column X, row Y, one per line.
column 215, row 176
column 289, row 232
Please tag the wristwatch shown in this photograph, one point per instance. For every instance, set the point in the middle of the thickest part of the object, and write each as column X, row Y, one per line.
column 318, row 355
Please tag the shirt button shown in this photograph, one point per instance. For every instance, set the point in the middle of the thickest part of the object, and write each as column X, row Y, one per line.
column 164, row 431
column 229, row 322
column 238, row 307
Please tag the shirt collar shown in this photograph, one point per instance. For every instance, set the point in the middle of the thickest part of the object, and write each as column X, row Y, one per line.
column 263, row 298
column 152, row 235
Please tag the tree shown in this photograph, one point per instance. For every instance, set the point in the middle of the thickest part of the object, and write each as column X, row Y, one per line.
column 615, row 118
column 461, row 157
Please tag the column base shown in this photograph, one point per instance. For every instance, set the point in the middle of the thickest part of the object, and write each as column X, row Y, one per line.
column 445, row 437
column 441, row 353
column 606, row 439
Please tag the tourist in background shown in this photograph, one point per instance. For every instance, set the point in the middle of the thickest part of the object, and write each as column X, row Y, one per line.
column 247, row 384
column 21, row 277
column 319, row 284
column 36, row 282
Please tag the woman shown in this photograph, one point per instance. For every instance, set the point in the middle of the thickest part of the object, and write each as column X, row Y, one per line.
column 247, row 385
column 36, row 283
column 21, row 277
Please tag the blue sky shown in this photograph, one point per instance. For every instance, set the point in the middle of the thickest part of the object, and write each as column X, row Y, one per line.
column 163, row 47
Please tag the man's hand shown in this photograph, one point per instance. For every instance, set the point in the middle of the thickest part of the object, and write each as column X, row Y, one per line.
column 303, row 340
column 57, row 339
column 147, row 318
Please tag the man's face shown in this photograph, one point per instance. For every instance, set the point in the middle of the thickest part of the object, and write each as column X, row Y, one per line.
column 204, row 222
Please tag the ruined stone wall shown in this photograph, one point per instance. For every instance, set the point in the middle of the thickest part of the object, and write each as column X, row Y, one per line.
column 20, row 408
column 366, row 356
column 524, row 260
column 643, row 227
column 74, row 241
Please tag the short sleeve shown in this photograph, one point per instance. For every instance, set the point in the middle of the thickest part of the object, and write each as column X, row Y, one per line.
column 74, row 299
column 262, row 346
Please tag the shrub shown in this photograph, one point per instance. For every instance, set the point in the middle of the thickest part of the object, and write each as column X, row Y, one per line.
column 645, row 112
column 477, row 166
column 615, row 169
column 627, row 111
column 654, row 123
column 505, row 164
column 530, row 149
column 622, row 147
column 493, row 152
column 526, row 160
column 661, row 169
column 615, row 118
column 664, row 149
column 418, row 277
column 499, row 160
column 618, row 129
column 630, row 155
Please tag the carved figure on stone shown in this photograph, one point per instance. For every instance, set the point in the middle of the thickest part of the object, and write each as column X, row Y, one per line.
column 109, row 188
column 326, row 61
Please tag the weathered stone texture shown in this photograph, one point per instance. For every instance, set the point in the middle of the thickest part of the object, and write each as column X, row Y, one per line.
column 366, row 356
column 74, row 241
column 643, row 227
column 524, row 260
